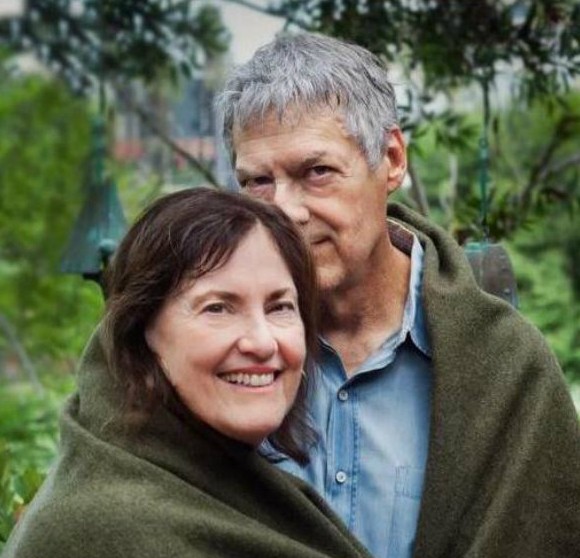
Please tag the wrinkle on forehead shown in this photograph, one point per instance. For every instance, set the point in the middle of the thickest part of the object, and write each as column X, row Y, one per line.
column 290, row 118
column 287, row 113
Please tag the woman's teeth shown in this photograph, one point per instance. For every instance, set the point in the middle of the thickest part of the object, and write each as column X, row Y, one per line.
column 255, row 380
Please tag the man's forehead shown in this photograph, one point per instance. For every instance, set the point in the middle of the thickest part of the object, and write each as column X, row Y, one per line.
column 289, row 116
column 289, row 120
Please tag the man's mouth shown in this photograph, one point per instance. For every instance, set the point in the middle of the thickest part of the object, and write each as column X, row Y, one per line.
column 318, row 241
column 251, row 380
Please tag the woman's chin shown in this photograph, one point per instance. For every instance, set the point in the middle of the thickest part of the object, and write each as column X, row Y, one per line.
column 252, row 434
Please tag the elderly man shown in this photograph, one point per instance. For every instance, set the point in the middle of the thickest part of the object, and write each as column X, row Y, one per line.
column 445, row 425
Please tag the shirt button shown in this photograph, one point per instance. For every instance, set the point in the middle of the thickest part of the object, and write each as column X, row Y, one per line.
column 343, row 395
column 340, row 477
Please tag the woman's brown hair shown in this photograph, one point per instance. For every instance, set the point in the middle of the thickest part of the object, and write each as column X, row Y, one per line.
column 179, row 238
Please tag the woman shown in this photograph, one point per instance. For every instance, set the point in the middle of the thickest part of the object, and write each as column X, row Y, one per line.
column 199, row 360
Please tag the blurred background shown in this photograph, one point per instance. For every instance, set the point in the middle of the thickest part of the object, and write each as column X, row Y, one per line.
column 106, row 104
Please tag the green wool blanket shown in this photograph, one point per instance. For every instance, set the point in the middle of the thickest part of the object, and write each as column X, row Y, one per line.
column 502, row 479
column 176, row 490
column 503, row 471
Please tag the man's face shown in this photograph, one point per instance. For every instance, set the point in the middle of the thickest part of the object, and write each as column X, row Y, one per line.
column 312, row 169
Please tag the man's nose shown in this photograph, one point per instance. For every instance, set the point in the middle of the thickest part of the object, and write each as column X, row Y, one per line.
column 257, row 338
column 290, row 199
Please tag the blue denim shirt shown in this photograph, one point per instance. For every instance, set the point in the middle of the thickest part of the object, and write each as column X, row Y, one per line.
column 374, row 430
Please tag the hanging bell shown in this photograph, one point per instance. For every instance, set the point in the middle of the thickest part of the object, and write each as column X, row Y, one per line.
column 100, row 224
column 493, row 270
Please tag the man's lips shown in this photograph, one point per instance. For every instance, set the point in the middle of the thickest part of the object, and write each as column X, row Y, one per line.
column 317, row 241
column 320, row 247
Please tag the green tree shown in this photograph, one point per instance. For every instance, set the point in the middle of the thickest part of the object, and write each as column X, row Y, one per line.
column 546, row 290
column 534, row 166
column 44, row 136
column 98, row 46
column 454, row 41
column 83, row 41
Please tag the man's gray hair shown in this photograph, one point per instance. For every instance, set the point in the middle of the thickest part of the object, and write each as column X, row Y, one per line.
column 304, row 73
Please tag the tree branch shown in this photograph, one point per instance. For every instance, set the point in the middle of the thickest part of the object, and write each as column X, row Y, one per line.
column 448, row 200
column 256, row 7
column 10, row 333
column 560, row 166
column 269, row 11
column 165, row 138
column 417, row 189
column 537, row 172
column 174, row 146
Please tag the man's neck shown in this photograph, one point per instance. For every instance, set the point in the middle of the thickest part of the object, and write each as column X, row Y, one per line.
column 358, row 320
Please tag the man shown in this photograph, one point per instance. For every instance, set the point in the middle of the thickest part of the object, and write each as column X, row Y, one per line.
column 446, row 428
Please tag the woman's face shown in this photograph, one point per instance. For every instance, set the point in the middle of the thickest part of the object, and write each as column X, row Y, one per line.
column 232, row 343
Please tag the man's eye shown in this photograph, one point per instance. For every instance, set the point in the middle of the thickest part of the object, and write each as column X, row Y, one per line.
column 256, row 183
column 319, row 171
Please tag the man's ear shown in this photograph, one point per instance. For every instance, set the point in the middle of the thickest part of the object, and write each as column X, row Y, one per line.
column 396, row 154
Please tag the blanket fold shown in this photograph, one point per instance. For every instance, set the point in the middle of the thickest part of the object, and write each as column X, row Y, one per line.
column 503, row 471
column 175, row 489
column 502, row 479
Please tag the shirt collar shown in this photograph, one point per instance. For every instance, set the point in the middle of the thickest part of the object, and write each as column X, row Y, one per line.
column 413, row 324
column 414, row 316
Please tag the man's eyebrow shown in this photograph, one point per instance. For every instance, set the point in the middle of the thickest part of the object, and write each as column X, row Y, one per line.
column 242, row 173
column 312, row 159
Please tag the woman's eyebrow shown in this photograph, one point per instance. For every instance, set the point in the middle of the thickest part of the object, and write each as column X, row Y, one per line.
column 281, row 293
column 226, row 296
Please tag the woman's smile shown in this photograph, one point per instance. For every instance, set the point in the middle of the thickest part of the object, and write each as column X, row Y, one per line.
column 232, row 343
column 253, row 376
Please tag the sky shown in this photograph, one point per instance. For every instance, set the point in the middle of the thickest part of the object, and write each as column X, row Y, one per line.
column 11, row 8
column 250, row 29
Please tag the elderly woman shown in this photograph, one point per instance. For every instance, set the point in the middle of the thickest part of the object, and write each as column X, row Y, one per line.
column 200, row 359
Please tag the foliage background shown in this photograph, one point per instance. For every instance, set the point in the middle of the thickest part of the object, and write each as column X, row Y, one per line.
column 45, row 317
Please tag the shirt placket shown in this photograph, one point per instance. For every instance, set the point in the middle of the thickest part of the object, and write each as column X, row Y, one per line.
column 342, row 436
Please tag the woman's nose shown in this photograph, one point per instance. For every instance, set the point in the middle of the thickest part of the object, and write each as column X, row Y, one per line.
column 258, row 339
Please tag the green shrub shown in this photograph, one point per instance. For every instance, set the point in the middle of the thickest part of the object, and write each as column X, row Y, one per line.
column 28, row 443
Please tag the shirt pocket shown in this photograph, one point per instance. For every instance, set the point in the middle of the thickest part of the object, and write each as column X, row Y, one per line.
column 408, row 491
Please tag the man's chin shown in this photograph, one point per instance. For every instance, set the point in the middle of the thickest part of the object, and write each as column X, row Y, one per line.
column 329, row 280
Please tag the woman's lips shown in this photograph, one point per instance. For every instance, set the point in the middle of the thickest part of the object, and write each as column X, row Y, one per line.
column 258, row 376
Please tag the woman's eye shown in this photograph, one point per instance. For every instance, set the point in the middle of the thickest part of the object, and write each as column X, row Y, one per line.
column 214, row 308
column 286, row 306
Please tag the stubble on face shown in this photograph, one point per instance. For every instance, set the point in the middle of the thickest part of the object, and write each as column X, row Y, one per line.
column 339, row 204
